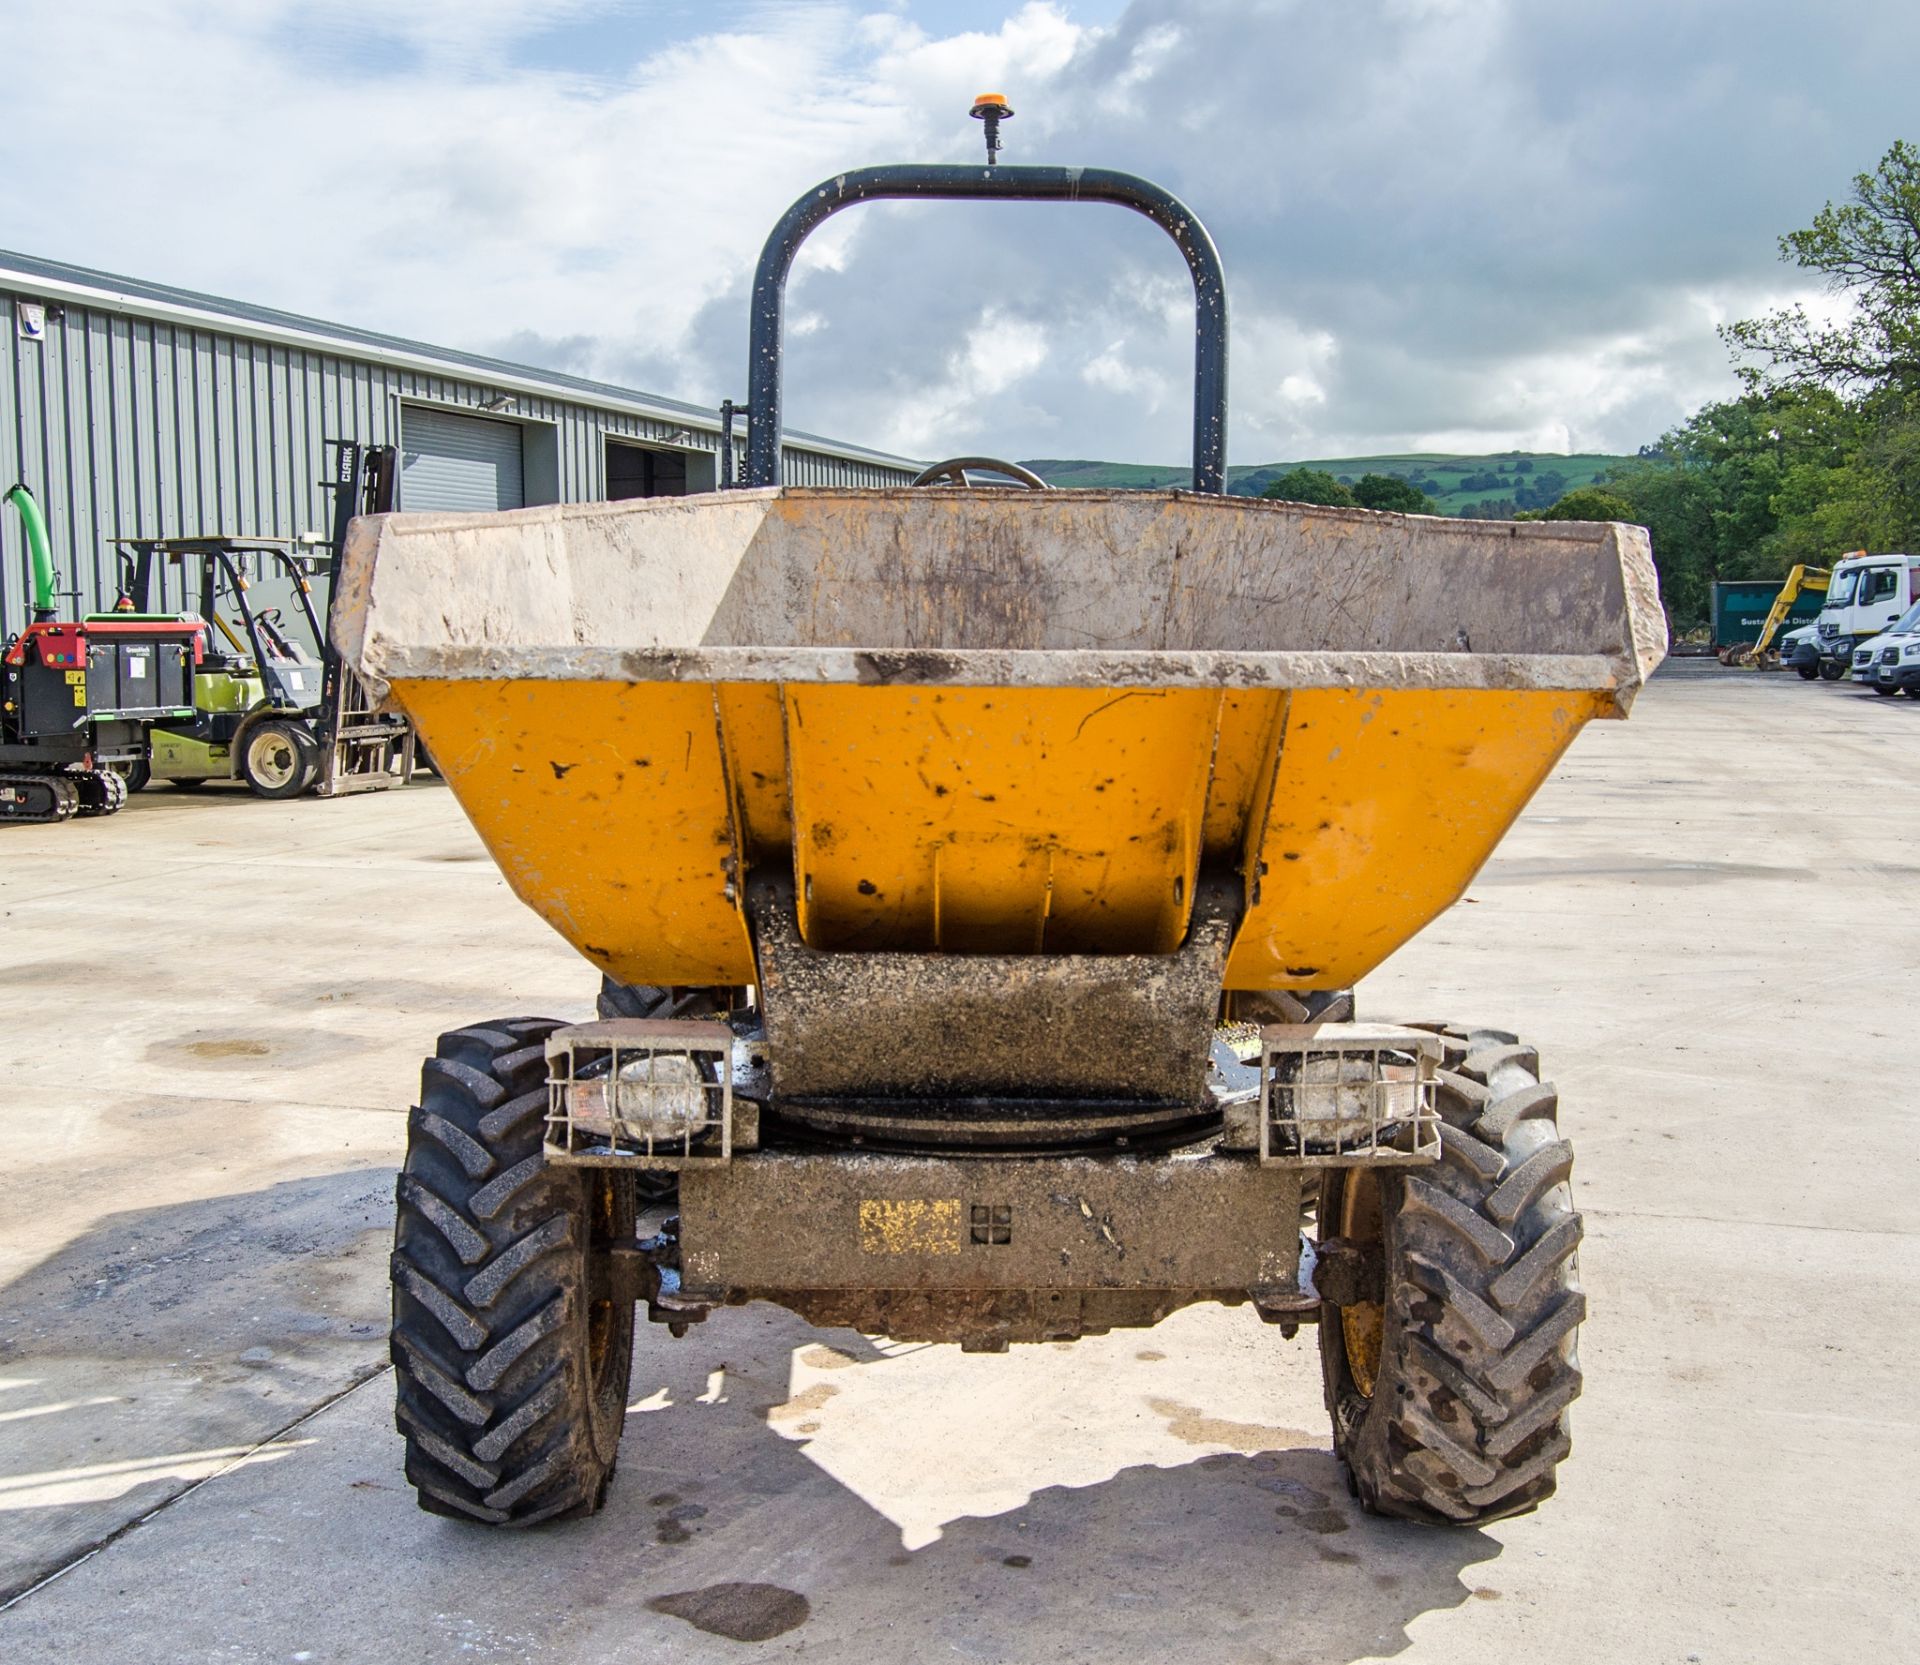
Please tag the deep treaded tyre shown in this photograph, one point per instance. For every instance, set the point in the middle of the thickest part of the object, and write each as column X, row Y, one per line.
column 647, row 1000
column 1449, row 1389
column 512, row 1341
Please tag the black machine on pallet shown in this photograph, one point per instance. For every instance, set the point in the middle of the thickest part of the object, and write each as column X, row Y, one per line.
column 76, row 696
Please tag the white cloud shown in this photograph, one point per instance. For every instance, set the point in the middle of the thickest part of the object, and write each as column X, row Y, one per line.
column 1469, row 222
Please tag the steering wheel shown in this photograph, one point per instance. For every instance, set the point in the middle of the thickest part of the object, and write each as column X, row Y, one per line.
column 954, row 472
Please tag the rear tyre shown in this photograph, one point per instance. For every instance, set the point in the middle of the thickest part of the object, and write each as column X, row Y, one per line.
column 1808, row 673
column 1287, row 1006
column 1448, row 1375
column 512, row 1335
column 279, row 759
column 648, row 1000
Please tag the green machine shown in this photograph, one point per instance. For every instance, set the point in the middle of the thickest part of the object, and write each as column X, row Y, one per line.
column 273, row 705
column 257, row 688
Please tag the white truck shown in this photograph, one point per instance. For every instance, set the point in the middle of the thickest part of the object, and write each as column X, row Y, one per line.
column 1865, row 596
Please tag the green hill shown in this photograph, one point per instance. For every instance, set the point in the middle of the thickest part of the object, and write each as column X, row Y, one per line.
column 1490, row 486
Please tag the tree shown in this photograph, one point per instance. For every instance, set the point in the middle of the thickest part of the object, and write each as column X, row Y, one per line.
column 1589, row 503
column 1310, row 485
column 1868, row 250
column 1732, row 492
column 1822, row 454
column 1391, row 493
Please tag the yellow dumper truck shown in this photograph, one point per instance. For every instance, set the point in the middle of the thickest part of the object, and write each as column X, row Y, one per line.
column 988, row 867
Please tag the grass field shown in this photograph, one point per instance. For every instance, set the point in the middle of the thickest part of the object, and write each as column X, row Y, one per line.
column 1455, row 482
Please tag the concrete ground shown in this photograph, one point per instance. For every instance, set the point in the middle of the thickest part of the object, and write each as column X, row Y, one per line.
column 216, row 1009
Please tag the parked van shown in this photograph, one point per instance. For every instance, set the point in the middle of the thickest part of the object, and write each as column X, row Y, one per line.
column 1800, row 651
column 1866, row 595
column 1896, row 658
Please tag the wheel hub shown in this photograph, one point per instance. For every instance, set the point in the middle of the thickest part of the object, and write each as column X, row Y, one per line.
column 1363, row 1325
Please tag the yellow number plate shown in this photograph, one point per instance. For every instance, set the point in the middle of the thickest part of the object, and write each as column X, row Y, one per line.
column 919, row 1226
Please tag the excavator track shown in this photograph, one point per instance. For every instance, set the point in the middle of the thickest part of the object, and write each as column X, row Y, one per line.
column 102, row 792
column 25, row 797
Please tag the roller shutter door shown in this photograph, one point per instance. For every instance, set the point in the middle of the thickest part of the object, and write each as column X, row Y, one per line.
column 450, row 461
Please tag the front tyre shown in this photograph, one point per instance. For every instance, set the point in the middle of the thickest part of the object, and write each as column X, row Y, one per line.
column 512, row 1336
column 279, row 759
column 1449, row 1371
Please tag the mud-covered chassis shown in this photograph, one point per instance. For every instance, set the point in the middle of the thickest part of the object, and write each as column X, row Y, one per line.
column 899, row 1189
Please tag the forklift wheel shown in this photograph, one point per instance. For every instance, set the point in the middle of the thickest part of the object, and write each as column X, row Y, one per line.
column 136, row 774
column 280, row 759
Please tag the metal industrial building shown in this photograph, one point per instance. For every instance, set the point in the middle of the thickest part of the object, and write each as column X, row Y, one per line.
column 134, row 409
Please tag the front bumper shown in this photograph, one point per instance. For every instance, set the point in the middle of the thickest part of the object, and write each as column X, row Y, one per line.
column 996, row 1250
column 983, row 1245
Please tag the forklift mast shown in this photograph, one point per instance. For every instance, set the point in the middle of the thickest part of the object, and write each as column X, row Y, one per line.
column 362, row 748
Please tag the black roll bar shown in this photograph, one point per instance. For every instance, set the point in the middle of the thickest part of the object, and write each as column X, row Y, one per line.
column 1012, row 184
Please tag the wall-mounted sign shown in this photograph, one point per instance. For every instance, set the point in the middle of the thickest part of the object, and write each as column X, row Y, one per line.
column 31, row 317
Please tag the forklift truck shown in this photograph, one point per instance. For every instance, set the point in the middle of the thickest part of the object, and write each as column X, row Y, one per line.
column 257, row 687
column 272, row 704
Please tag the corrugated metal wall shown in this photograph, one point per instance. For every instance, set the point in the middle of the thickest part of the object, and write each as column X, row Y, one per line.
column 130, row 426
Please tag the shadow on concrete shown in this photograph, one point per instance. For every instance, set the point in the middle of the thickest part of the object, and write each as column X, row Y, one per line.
column 158, row 1346
column 1255, row 1556
column 208, row 1280
column 720, row 1525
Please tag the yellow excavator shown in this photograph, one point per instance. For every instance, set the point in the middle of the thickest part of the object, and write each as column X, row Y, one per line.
column 1800, row 581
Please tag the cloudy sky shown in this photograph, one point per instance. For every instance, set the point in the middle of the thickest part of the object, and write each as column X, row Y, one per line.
column 1462, row 224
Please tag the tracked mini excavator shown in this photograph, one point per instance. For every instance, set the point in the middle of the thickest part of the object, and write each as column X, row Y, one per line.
column 76, row 695
column 990, row 866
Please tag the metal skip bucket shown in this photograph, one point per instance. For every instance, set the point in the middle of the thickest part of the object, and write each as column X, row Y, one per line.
column 994, row 721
